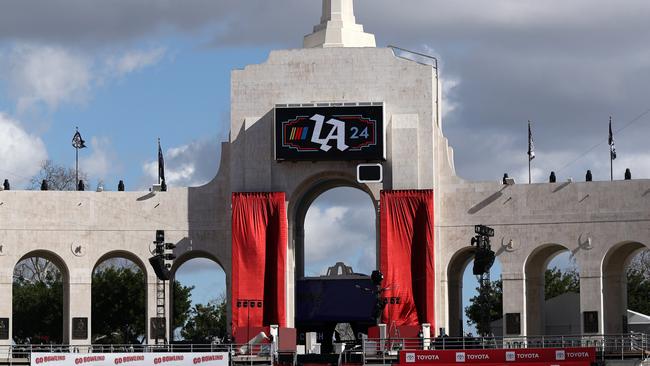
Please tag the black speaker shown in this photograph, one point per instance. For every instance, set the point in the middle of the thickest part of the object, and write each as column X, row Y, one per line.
column 158, row 264
column 369, row 173
column 160, row 236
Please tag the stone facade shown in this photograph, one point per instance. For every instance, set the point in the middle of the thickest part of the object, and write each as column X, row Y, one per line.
column 602, row 223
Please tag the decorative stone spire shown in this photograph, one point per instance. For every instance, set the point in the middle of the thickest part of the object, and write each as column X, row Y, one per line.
column 338, row 28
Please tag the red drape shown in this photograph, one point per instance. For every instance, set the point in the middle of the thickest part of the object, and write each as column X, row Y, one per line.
column 259, row 256
column 407, row 256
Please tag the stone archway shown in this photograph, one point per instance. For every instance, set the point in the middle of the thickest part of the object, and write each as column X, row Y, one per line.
column 534, row 277
column 182, row 260
column 112, row 328
column 302, row 201
column 62, row 268
column 614, row 285
column 455, row 271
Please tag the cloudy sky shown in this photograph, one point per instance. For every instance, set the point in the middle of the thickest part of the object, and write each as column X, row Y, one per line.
column 127, row 72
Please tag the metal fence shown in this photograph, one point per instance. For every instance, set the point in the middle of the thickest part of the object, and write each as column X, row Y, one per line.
column 631, row 345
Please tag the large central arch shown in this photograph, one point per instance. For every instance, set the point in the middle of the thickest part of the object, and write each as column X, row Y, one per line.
column 303, row 198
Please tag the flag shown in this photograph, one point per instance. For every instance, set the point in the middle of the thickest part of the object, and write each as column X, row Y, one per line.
column 77, row 141
column 161, row 164
column 612, row 148
column 531, row 145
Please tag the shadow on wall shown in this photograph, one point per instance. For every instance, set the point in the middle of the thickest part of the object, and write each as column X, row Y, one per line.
column 486, row 202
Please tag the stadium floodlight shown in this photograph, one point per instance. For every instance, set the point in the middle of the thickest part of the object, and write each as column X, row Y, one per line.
column 483, row 230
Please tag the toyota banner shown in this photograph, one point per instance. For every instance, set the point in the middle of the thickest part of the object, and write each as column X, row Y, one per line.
column 573, row 356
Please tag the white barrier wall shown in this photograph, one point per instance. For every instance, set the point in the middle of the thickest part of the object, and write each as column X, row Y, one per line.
column 131, row 359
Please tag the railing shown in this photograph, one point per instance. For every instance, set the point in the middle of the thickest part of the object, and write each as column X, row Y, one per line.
column 418, row 57
column 632, row 345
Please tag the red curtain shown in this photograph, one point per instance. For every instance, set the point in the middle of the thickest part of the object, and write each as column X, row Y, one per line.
column 259, row 256
column 407, row 256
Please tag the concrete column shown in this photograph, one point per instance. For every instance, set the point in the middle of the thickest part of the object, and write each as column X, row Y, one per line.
column 454, row 285
column 513, row 301
column 534, row 296
column 591, row 297
column 6, row 282
column 79, row 299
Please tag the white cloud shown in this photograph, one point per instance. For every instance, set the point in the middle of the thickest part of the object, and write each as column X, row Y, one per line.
column 47, row 74
column 449, row 101
column 101, row 160
column 192, row 164
column 134, row 60
column 343, row 232
column 22, row 153
column 53, row 75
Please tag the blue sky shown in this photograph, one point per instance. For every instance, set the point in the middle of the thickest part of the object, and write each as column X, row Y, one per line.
column 129, row 72
column 176, row 90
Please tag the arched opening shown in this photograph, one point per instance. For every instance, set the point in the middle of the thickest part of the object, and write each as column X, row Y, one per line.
column 340, row 226
column 119, row 300
column 538, row 291
column 334, row 223
column 40, row 286
column 464, row 298
column 615, row 285
column 199, row 300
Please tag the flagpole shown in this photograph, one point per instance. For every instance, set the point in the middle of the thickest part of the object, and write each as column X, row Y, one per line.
column 529, row 152
column 159, row 161
column 611, row 157
column 76, row 172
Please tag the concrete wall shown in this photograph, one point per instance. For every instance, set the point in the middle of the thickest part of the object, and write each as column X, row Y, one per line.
column 540, row 219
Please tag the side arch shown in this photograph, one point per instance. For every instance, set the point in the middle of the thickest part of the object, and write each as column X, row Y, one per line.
column 99, row 321
column 63, row 267
column 125, row 255
column 455, row 270
column 194, row 254
column 614, row 285
column 179, row 262
column 534, row 270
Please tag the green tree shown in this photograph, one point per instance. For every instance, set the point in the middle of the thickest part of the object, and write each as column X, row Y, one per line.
column 489, row 301
column 638, row 290
column 558, row 282
column 38, row 306
column 182, row 304
column 118, row 305
column 206, row 322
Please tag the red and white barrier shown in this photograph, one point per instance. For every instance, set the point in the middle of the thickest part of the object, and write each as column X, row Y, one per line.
column 130, row 359
column 570, row 356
